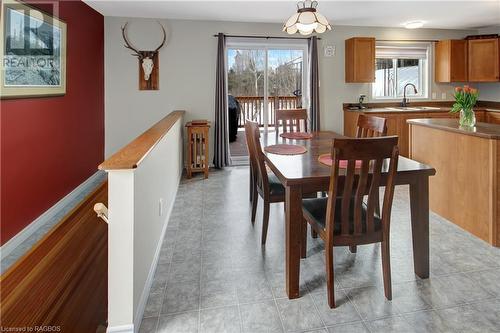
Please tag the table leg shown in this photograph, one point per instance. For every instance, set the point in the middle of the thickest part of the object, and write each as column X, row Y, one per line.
column 419, row 204
column 293, row 230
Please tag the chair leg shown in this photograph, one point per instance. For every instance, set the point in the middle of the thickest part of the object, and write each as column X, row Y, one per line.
column 314, row 234
column 386, row 269
column 265, row 221
column 353, row 248
column 303, row 239
column 255, row 200
column 330, row 280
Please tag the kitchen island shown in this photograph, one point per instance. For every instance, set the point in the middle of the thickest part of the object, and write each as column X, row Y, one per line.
column 465, row 189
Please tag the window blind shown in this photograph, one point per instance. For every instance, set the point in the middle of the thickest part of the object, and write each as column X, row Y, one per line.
column 400, row 52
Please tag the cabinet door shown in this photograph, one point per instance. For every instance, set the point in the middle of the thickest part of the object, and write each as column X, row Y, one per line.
column 493, row 117
column 360, row 60
column 483, row 60
column 450, row 61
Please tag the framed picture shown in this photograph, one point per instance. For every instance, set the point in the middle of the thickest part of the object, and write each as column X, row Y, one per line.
column 33, row 51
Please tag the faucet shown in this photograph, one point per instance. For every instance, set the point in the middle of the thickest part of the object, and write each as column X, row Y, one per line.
column 405, row 100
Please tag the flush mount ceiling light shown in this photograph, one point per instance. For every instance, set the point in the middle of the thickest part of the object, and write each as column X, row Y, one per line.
column 414, row 24
column 306, row 20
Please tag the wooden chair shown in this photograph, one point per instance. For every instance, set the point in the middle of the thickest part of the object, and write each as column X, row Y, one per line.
column 343, row 219
column 371, row 126
column 265, row 184
column 291, row 119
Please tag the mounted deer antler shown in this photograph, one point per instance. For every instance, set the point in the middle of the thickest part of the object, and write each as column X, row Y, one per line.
column 128, row 46
column 147, row 58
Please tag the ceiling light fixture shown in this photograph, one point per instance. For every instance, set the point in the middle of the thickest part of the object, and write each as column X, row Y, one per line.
column 306, row 20
column 414, row 24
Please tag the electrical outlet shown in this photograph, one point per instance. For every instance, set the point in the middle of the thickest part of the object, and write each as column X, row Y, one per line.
column 434, row 95
column 160, row 207
column 443, row 95
column 329, row 51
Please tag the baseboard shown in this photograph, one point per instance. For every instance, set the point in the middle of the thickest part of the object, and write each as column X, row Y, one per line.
column 121, row 329
column 149, row 281
column 49, row 214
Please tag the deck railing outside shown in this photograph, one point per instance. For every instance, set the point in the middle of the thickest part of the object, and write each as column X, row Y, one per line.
column 252, row 107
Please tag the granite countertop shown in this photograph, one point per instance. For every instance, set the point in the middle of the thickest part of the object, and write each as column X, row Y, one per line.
column 483, row 130
column 413, row 109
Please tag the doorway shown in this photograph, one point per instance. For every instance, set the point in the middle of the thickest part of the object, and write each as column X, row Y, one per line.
column 262, row 76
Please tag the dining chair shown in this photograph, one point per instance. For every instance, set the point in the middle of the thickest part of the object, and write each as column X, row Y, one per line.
column 291, row 119
column 371, row 126
column 343, row 218
column 265, row 184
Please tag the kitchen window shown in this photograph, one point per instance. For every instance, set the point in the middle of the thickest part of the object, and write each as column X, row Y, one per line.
column 398, row 65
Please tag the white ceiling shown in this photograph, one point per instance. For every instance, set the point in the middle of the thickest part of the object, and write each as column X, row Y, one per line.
column 435, row 14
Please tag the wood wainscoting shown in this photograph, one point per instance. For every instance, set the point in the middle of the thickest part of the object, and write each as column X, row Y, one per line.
column 62, row 280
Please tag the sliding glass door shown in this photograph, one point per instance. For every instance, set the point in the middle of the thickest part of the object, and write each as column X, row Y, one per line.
column 262, row 77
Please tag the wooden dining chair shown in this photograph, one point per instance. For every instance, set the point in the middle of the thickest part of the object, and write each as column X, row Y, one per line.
column 371, row 126
column 266, row 185
column 290, row 120
column 344, row 219
column 368, row 127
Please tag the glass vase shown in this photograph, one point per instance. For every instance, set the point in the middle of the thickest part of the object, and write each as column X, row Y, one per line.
column 467, row 118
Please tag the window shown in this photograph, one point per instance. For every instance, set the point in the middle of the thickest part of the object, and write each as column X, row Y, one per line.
column 398, row 65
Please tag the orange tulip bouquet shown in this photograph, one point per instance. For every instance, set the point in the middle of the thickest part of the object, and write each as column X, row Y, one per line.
column 465, row 99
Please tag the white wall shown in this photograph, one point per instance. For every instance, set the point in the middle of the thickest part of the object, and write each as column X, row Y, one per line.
column 187, row 71
column 136, row 227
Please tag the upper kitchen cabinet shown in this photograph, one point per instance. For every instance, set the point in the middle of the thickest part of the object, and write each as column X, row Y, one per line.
column 484, row 61
column 360, row 60
column 451, row 61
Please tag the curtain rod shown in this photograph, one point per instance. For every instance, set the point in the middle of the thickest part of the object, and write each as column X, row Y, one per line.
column 408, row 40
column 266, row 37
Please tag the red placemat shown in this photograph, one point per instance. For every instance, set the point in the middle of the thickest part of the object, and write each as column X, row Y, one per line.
column 326, row 159
column 296, row 135
column 284, row 149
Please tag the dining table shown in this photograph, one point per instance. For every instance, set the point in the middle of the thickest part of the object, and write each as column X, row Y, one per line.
column 303, row 173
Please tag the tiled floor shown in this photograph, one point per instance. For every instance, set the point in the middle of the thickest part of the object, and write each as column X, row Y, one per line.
column 213, row 275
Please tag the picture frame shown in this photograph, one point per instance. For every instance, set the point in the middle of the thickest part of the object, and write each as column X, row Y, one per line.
column 32, row 51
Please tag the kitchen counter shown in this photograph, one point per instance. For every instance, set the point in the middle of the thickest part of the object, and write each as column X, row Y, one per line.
column 484, row 130
column 412, row 109
column 466, row 187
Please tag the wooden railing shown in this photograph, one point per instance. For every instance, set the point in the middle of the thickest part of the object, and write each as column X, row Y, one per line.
column 252, row 107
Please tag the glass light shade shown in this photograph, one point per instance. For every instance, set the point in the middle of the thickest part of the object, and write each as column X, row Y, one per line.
column 306, row 21
column 307, row 27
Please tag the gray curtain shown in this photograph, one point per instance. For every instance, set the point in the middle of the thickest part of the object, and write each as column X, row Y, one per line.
column 314, row 112
column 221, row 142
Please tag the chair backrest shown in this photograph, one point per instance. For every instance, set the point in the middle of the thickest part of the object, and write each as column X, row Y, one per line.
column 371, row 126
column 374, row 153
column 291, row 119
column 257, row 162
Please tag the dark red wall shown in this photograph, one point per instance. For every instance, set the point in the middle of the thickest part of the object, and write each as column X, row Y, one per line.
column 51, row 145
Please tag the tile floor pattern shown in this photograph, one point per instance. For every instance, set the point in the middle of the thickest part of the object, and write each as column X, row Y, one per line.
column 213, row 275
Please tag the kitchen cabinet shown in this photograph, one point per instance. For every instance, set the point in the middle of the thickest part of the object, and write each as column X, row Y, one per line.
column 492, row 117
column 450, row 61
column 396, row 123
column 483, row 60
column 360, row 60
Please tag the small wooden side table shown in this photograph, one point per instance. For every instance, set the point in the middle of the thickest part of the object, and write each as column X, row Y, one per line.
column 198, row 147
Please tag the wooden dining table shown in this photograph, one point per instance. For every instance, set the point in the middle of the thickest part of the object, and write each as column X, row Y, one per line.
column 305, row 174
